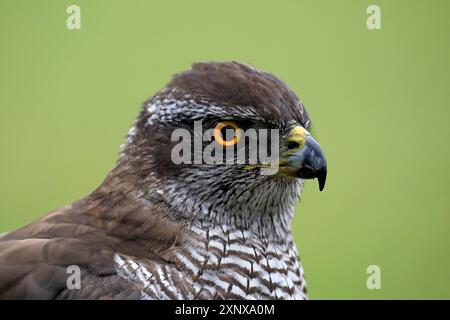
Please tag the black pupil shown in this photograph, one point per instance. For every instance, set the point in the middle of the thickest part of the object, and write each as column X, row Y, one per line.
column 223, row 132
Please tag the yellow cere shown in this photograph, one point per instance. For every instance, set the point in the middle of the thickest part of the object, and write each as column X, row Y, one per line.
column 298, row 134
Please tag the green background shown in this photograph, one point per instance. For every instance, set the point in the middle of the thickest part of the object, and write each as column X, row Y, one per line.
column 379, row 101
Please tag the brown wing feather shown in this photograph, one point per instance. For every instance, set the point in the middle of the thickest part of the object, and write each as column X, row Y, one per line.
column 34, row 259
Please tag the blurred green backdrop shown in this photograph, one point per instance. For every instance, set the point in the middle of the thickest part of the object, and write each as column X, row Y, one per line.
column 379, row 101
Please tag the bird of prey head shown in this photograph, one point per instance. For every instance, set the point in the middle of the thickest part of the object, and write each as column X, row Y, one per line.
column 217, row 93
column 163, row 229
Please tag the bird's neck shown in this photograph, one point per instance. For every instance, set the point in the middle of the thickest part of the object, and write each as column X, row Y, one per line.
column 266, row 210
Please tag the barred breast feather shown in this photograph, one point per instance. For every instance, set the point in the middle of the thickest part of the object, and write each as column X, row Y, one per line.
column 220, row 263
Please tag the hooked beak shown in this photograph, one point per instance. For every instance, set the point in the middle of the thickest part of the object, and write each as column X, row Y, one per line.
column 305, row 158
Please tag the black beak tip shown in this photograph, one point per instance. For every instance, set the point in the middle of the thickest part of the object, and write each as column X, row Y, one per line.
column 321, row 178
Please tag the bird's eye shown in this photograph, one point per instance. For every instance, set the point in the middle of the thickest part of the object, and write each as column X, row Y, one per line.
column 222, row 131
column 292, row 145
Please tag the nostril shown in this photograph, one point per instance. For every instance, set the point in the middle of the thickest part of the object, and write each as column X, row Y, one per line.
column 292, row 145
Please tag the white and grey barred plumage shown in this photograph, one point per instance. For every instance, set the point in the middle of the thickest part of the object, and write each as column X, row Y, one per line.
column 221, row 264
